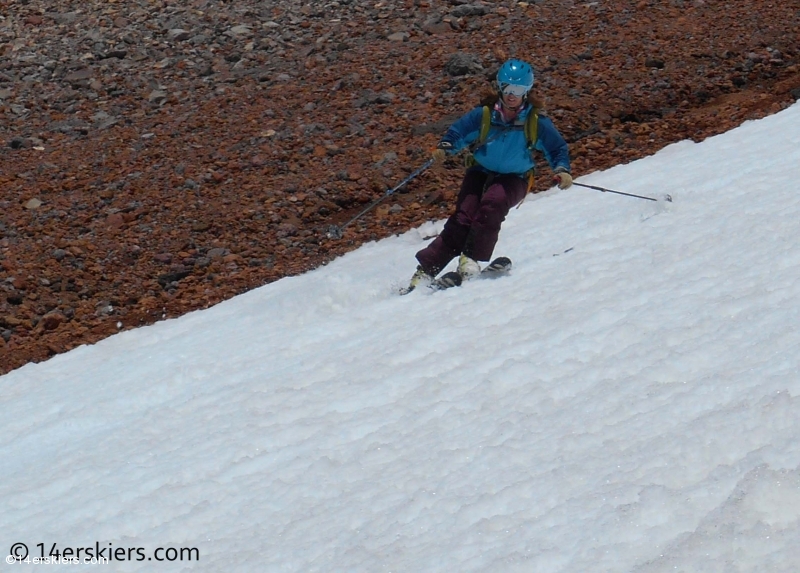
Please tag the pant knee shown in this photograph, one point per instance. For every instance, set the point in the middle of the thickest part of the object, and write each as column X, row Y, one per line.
column 492, row 213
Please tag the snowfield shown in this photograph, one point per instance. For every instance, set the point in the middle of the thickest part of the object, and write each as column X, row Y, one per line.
column 626, row 400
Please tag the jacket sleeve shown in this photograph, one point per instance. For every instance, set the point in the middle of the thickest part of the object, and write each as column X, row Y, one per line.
column 552, row 145
column 464, row 131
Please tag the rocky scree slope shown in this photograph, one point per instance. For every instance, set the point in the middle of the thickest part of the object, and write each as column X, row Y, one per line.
column 160, row 156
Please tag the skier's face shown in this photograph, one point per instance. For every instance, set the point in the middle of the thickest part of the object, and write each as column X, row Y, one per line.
column 511, row 100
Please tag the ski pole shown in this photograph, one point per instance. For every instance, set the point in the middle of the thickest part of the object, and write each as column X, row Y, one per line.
column 336, row 232
column 667, row 198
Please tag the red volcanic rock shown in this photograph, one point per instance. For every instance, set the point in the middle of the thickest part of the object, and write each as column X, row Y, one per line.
column 52, row 320
column 115, row 221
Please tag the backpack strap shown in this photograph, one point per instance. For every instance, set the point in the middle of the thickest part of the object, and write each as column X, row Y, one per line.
column 531, row 135
column 486, row 125
column 532, row 128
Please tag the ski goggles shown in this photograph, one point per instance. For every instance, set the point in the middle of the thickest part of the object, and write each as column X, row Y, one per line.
column 511, row 89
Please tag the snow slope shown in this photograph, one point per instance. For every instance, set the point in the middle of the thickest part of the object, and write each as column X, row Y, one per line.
column 625, row 401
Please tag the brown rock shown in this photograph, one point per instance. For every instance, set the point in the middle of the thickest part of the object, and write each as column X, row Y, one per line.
column 115, row 221
column 79, row 75
column 10, row 321
column 52, row 320
column 434, row 197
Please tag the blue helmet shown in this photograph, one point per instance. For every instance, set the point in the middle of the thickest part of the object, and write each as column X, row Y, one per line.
column 515, row 73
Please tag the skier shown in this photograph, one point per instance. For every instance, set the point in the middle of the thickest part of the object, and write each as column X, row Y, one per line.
column 502, row 141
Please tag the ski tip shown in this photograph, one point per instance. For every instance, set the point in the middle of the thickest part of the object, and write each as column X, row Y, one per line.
column 500, row 265
column 447, row 280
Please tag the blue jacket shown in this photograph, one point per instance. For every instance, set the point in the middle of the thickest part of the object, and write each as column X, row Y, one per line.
column 506, row 149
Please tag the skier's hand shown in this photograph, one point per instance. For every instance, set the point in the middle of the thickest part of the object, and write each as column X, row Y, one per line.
column 563, row 179
column 441, row 150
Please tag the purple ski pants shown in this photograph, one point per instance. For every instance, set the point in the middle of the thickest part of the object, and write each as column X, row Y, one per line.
column 474, row 227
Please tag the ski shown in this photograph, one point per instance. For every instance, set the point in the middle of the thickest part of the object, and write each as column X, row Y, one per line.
column 497, row 268
column 447, row 280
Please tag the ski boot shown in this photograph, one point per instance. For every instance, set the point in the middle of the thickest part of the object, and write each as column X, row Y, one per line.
column 420, row 278
column 467, row 268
